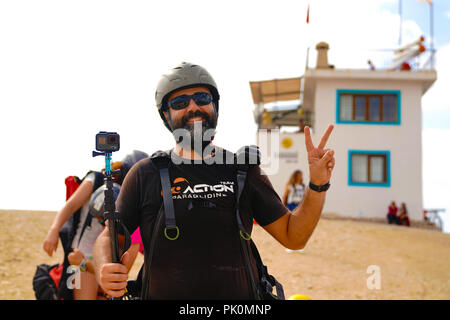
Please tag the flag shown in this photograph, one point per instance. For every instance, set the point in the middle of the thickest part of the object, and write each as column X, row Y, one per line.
column 307, row 15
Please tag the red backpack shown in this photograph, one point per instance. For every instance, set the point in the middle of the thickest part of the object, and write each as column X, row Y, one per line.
column 47, row 278
column 72, row 184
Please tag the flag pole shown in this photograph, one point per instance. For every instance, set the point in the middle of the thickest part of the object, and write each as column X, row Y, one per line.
column 400, row 15
column 431, row 34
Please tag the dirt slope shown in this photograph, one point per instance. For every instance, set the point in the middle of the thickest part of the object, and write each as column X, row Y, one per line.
column 413, row 263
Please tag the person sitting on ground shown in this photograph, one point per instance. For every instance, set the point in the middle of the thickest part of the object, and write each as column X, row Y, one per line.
column 392, row 213
column 403, row 218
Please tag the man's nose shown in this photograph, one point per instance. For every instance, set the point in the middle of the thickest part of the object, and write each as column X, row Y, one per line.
column 192, row 105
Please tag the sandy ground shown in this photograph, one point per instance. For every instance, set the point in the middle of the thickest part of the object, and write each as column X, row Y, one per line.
column 413, row 263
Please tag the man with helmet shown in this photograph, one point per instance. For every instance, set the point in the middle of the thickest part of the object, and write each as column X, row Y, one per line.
column 203, row 260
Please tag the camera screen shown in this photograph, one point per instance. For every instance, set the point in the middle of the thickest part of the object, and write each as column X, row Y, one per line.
column 107, row 141
column 112, row 139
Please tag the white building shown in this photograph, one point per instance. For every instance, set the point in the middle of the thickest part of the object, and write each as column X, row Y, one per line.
column 377, row 139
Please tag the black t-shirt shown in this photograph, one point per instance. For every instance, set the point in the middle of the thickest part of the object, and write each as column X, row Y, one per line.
column 205, row 261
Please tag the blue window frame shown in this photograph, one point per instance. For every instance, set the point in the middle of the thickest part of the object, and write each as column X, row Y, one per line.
column 369, row 168
column 373, row 107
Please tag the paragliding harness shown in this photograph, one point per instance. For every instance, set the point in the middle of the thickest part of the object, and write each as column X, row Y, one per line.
column 50, row 281
column 261, row 290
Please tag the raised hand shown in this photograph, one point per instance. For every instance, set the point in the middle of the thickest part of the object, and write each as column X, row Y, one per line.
column 321, row 161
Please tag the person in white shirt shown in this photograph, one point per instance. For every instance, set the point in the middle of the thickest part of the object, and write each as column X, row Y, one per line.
column 294, row 191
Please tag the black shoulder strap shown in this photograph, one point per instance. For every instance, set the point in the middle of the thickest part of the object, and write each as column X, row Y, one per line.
column 161, row 160
column 242, row 166
column 267, row 281
column 246, row 157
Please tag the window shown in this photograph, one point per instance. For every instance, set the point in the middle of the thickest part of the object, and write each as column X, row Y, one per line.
column 368, row 107
column 369, row 168
column 374, row 108
column 389, row 113
column 346, row 113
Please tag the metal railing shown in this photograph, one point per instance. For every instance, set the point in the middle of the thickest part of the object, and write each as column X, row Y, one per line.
column 432, row 216
column 381, row 59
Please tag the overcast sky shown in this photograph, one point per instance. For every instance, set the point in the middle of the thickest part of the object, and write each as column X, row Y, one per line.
column 69, row 69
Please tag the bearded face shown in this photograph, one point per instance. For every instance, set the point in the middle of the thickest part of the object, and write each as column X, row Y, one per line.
column 193, row 127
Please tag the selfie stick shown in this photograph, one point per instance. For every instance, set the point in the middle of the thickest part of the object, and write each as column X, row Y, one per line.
column 110, row 213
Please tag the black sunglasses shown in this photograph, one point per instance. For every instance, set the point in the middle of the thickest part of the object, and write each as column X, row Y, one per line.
column 181, row 102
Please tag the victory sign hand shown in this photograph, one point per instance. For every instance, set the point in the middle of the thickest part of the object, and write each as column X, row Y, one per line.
column 321, row 161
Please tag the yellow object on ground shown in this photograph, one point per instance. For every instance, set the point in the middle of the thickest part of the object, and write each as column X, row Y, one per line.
column 299, row 297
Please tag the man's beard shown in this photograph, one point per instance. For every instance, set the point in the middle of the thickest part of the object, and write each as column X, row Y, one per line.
column 196, row 135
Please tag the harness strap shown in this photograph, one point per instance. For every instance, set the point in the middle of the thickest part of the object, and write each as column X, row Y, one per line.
column 241, row 177
column 161, row 159
column 267, row 280
column 244, row 236
column 246, row 157
column 148, row 258
column 167, row 198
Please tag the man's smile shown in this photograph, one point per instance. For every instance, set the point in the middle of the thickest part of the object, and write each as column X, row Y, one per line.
column 196, row 119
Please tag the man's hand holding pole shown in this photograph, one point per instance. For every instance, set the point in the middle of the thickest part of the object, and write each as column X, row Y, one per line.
column 112, row 277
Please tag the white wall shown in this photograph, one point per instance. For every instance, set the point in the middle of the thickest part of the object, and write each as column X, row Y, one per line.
column 286, row 163
column 403, row 141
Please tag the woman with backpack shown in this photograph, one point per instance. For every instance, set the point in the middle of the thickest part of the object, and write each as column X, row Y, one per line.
column 83, row 234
